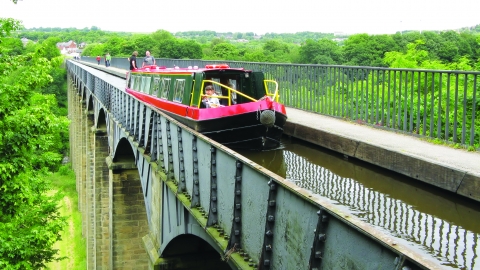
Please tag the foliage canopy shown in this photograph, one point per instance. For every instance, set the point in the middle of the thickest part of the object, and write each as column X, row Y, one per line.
column 32, row 139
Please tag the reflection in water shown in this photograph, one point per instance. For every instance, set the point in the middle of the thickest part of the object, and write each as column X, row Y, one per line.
column 442, row 224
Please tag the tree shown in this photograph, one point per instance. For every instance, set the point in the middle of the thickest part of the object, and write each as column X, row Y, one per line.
column 13, row 46
column 365, row 50
column 114, row 45
column 325, row 52
column 225, row 51
column 30, row 222
column 49, row 49
column 412, row 58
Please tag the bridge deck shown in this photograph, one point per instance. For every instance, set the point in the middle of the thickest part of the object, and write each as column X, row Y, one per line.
column 456, row 170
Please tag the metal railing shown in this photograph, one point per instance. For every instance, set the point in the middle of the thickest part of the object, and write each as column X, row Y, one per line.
column 436, row 104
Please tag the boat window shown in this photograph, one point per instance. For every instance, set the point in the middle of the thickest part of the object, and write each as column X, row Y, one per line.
column 165, row 87
column 217, row 87
column 146, row 84
column 179, row 90
column 132, row 81
column 155, row 87
column 137, row 82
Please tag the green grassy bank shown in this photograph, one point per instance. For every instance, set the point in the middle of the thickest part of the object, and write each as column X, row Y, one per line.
column 72, row 246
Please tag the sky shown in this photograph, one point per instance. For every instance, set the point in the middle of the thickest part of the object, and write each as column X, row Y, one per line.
column 258, row 16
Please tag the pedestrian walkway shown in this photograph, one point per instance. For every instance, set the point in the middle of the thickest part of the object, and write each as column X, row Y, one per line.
column 456, row 170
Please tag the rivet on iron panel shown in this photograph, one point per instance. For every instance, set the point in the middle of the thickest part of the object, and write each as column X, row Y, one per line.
column 271, row 203
column 238, row 192
column 268, row 247
column 324, row 218
column 237, row 219
column 238, row 206
column 322, row 237
column 269, row 233
column 271, row 218
column 237, row 232
column 214, row 198
column 318, row 255
column 266, row 262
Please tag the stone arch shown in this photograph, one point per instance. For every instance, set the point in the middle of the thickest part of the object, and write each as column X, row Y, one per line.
column 189, row 251
column 90, row 103
column 128, row 221
column 123, row 152
column 101, row 120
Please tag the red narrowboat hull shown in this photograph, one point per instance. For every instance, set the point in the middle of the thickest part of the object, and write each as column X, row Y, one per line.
column 254, row 125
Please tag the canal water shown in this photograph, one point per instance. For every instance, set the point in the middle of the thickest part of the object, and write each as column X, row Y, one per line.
column 434, row 220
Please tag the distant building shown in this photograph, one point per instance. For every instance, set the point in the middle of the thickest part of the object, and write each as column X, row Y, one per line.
column 25, row 41
column 67, row 47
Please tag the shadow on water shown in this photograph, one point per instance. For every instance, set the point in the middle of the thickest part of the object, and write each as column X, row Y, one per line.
column 404, row 206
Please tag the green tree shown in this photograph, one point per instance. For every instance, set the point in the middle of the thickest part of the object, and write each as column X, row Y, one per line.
column 114, row 45
column 13, row 46
column 49, row 49
column 324, row 51
column 30, row 222
column 365, row 50
column 225, row 51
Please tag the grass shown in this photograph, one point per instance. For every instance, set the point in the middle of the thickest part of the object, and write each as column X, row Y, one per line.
column 72, row 246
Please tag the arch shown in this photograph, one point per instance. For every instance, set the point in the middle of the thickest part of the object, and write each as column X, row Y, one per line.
column 124, row 152
column 90, row 103
column 102, row 120
column 193, row 249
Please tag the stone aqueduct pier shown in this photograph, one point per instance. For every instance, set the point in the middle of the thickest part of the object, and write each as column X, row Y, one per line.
column 154, row 194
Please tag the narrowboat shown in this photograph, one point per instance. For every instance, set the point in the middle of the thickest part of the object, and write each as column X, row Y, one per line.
column 248, row 114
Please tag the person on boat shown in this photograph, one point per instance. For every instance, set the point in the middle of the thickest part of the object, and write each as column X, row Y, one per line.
column 133, row 60
column 209, row 99
column 148, row 60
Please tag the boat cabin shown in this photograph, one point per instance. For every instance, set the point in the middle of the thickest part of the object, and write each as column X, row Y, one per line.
column 186, row 85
